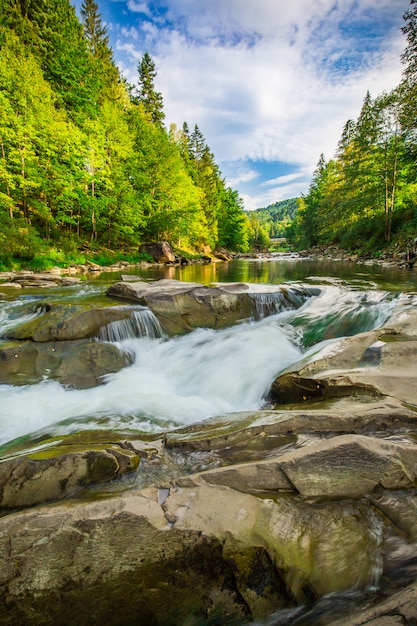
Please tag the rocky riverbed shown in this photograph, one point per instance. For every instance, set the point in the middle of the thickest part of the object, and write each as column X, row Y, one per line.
column 240, row 519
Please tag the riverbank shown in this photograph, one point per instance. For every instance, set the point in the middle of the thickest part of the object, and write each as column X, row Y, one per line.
column 401, row 259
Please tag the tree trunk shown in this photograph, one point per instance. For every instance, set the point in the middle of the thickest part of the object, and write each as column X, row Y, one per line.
column 7, row 184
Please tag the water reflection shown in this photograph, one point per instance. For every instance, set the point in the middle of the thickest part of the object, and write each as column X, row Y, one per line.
column 280, row 271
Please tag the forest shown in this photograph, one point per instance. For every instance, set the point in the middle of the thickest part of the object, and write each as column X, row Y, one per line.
column 365, row 197
column 86, row 162
column 273, row 221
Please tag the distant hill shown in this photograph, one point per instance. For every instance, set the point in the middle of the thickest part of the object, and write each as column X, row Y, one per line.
column 278, row 216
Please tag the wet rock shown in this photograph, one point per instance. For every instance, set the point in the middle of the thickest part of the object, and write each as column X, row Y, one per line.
column 205, row 551
column 67, row 323
column 44, row 279
column 182, row 307
column 234, row 542
column 348, row 466
column 118, row 557
column 400, row 608
column 241, row 436
column 80, row 364
column 374, row 363
column 54, row 474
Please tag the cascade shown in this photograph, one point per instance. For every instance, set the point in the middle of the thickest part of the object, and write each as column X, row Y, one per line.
column 270, row 303
column 189, row 378
column 141, row 323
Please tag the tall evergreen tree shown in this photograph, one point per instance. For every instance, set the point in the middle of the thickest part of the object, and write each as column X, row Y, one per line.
column 94, row 31
column 148, row 96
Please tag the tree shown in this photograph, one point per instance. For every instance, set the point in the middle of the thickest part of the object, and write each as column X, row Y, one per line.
column 148, row 96
column 94, row 31
column 104, row 73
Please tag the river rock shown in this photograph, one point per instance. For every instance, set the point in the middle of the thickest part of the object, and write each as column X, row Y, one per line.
column 67, row 323
column 182, row 307
column 53, row 474
column 160, row 251
column 203, row 551
column 377, row 362
column 80, row 364
column 44, row 279
column 271, row 524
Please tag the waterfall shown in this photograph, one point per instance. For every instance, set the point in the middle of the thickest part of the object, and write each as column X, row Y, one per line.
column 141, row 323
column 270, row 303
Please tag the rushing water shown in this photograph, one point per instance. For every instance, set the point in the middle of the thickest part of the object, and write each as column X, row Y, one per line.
column 206, row 373
column 183, row 380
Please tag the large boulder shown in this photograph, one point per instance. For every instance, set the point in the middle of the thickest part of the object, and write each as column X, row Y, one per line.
column 160, row 251
column 68, row 322
column 80, row 364
column 378, row 362
column 182, row 307
column 59, row 472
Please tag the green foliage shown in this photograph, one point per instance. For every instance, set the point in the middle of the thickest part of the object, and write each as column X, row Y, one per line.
column 84, row 160
column 277, row 217
column 364, row 199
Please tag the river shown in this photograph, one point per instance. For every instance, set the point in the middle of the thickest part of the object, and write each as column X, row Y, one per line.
column 183, row 380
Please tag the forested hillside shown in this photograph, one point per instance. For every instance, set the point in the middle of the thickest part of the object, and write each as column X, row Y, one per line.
column 274, row 220
column 85, row 158
column 366, row 196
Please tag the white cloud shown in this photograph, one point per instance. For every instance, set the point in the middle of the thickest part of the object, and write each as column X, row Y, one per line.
column 282, row 180
column 138, row 7
column 267, row 80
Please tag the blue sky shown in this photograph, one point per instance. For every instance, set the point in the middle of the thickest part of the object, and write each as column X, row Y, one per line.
column 270, row 83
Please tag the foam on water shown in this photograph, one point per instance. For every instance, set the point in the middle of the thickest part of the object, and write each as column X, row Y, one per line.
column 187, row 379
column 180, row 381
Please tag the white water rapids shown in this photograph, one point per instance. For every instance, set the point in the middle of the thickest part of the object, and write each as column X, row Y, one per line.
column 186, row 379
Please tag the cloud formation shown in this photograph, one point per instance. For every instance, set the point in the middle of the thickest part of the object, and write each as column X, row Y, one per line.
column 267, row 81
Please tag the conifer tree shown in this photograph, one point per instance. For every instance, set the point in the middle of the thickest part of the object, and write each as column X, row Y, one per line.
column 148, row 96
column 94, row 31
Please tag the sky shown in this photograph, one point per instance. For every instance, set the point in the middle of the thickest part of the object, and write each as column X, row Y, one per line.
column 270, row 83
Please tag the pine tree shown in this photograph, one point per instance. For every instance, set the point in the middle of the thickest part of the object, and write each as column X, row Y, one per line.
column 148, row 96
column 94, row 31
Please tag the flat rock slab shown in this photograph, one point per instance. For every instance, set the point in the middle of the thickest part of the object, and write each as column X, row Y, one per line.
column 348, row 466
column 44, row 279
column 182, row 307
column 67, row 323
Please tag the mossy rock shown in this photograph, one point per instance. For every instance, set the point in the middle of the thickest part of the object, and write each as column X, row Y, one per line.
column 60, row 472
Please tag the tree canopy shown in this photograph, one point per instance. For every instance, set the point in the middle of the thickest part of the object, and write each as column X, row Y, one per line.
column 85, row 158
column 365, row 197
